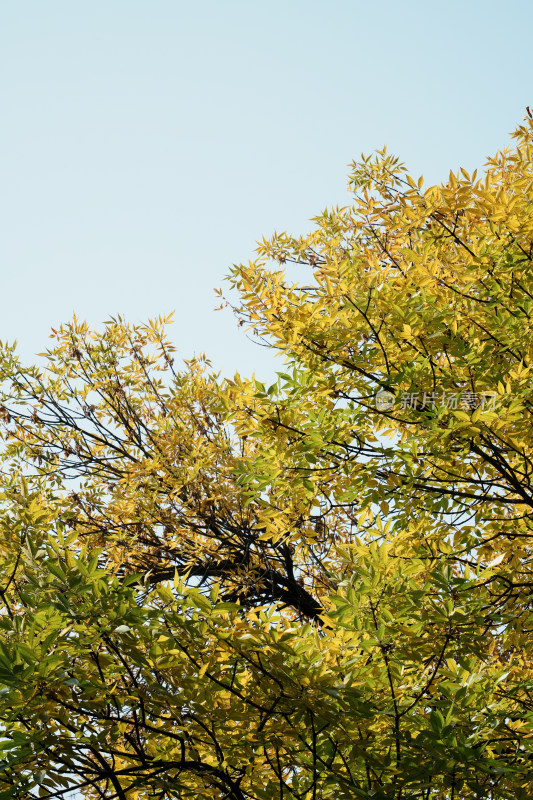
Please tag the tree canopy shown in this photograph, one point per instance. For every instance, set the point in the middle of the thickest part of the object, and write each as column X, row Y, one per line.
column 316, row 589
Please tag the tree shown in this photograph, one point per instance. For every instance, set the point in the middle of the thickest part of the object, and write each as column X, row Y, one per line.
column 221, row 589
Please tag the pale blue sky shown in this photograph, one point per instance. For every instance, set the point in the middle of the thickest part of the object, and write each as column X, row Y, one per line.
column 145, row 146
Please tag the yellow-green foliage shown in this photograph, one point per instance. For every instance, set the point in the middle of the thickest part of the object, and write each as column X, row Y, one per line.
column 221, row 589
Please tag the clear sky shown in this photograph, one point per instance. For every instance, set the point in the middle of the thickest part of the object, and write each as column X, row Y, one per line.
column 146, row 146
